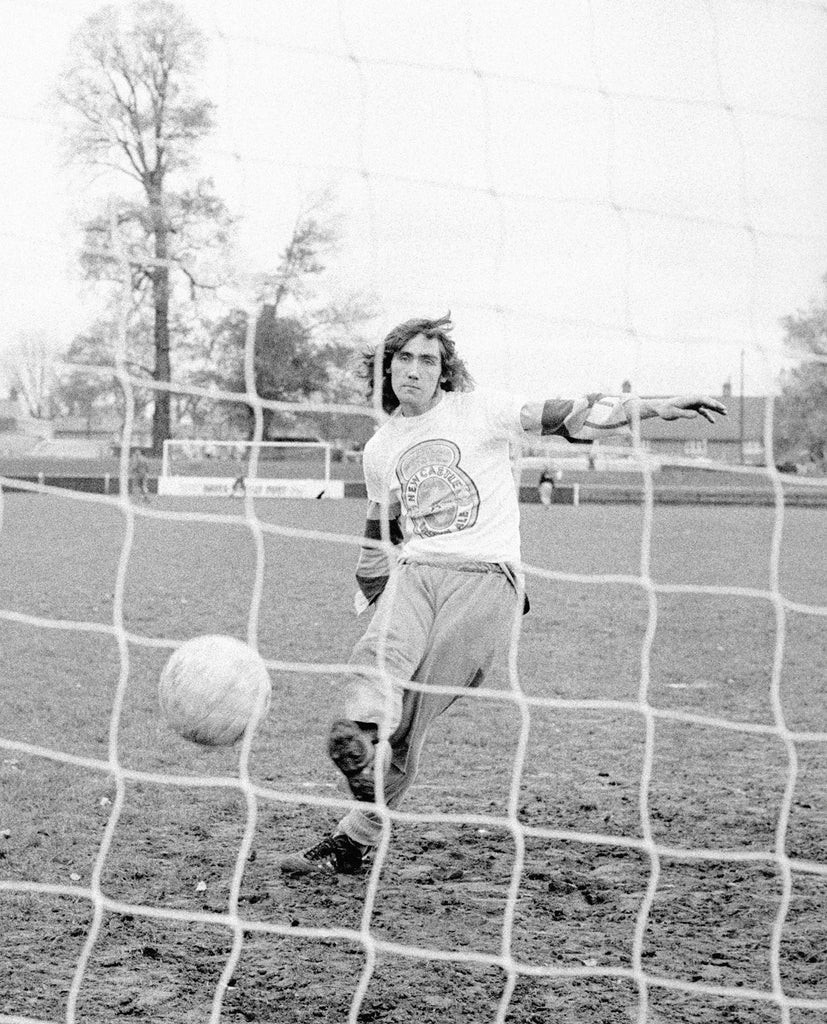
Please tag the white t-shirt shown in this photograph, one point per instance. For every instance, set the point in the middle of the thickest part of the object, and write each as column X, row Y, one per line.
column 450, row 469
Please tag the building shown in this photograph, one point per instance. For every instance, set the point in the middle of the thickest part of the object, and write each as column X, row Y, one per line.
column 736, row 439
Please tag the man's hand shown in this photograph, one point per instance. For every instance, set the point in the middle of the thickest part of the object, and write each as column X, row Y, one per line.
column 687, row 407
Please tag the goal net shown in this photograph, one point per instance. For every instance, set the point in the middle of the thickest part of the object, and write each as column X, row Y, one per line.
column 627, row 821
column 263, row 469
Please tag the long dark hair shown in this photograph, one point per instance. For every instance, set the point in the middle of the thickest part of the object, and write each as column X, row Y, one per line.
column 454, row 372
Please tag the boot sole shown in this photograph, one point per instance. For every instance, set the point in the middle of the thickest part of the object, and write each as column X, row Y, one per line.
column 348, row 747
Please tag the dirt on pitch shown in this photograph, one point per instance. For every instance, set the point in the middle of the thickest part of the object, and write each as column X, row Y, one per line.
column 610, row 855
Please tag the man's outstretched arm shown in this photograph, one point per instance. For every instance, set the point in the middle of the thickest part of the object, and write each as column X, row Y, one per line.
column 581, row 420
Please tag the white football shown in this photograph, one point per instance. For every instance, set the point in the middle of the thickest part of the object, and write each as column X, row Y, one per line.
column 212, row 688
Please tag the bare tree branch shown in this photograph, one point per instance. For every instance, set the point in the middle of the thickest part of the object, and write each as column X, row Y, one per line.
column 130, row 91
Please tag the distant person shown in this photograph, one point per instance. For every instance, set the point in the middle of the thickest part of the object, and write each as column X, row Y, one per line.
column 438, row 472
column 547, row 486
column 139, row 474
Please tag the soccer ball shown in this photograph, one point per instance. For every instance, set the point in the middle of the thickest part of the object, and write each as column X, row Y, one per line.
column 212, row 688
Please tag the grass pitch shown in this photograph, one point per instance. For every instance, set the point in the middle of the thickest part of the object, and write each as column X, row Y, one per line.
column 648, row 832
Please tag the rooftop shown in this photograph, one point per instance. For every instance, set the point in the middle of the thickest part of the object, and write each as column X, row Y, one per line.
column 726, row 428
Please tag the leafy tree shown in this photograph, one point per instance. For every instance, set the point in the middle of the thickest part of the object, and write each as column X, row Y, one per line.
column 212, row 349
column 82, row 392
column 801, row 408
column 288, row 366
column 29, row 363
column 131, row 91
column 304, row 345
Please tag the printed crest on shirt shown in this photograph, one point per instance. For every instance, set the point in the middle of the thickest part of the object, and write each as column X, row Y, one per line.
column 438, row 495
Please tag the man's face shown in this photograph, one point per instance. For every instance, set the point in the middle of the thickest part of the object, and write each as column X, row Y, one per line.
column 416, row 372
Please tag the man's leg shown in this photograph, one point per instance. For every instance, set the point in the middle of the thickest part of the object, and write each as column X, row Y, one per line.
column 373, row 705
column 472, row 627
column 390, row 650
column 384, row 660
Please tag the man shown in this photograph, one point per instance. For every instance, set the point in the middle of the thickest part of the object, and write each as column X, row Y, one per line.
column 448, row 607
column 139, row 469
column 547, row 485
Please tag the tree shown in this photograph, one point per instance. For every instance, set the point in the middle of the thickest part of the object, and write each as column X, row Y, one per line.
column 801, row 408
column 212, row 349
column 84, row 392
column 80, row 392
column 130, row 89
column 288, row 367
column 29, row 364
column 304, row 345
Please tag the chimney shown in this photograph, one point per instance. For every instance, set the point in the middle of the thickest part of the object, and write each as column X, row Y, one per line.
column 626, row 387
column 726, row 389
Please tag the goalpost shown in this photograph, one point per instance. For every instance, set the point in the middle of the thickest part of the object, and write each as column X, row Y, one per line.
column 261, row 469
column 484, row 181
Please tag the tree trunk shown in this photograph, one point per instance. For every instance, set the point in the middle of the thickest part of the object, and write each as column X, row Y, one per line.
column 161, row 417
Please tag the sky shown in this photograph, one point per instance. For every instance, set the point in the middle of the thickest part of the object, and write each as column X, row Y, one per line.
column 598, row 190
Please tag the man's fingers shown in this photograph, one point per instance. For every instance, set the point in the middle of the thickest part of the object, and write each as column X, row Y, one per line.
column 706, row 406
column 689, row 408
column 717, row 406
column 711, row 403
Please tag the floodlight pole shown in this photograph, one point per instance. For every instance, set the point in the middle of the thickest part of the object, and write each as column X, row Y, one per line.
column 741, row 410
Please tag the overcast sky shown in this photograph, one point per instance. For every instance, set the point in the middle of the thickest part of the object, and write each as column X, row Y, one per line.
column 597, row 190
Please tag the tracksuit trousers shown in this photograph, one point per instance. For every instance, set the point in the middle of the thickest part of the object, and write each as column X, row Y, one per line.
column 434, row 624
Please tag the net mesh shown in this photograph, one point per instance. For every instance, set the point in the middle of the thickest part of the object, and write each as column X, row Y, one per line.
column 642, row 236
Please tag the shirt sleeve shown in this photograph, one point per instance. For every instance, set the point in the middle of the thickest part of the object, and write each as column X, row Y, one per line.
column 373, row 477
column 373, row 567
column 596, row 416
column 503, row 410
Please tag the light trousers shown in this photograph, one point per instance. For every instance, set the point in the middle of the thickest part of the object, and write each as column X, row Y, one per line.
column 433, row 625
